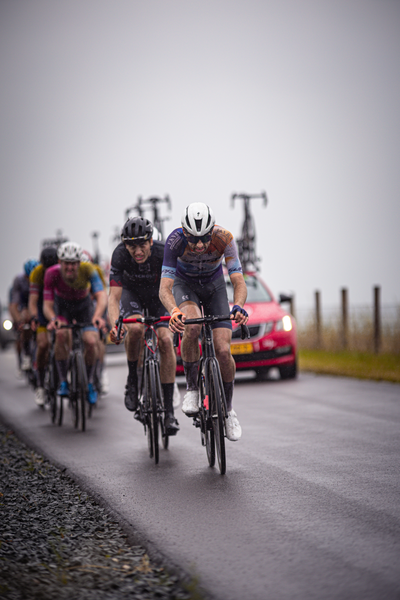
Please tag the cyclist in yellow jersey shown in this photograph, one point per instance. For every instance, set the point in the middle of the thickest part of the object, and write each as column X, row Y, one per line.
column 48, row 258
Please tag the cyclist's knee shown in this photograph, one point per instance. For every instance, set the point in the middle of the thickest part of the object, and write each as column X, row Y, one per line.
column 192, row 333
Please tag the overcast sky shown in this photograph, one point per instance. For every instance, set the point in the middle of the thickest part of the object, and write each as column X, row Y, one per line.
column 103, row 101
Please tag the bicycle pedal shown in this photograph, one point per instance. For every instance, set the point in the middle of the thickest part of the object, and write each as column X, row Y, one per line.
column 196, row 422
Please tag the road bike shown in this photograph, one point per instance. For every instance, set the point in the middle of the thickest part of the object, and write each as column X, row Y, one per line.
column 80, row 408
column 247, row 242
column 151, row 411
column 213, row 412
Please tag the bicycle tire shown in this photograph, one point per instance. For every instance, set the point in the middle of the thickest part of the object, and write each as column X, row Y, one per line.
column 73, row 396
column 217, row 416
column 154, row 418
column 82, row 391
column 147, row 412
column 160, row 409
column 206, row 429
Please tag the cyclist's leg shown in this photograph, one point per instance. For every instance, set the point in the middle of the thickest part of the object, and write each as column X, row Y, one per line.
column 222, row 334
column 131, row 307
column 42, row 352
column 188, row 302
column 167, row 376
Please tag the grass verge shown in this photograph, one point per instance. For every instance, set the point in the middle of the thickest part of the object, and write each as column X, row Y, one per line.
column 363, row 365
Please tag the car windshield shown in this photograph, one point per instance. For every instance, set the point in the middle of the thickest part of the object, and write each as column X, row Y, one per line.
column 256, row 292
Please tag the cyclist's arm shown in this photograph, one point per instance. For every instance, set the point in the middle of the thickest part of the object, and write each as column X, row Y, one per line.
column 166, row 295
column 48, row 311
column 33, row 304
column 239, row 295
column 114, row 298
column 101, row 304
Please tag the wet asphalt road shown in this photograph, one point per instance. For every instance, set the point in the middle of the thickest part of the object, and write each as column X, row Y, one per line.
column 309, row 507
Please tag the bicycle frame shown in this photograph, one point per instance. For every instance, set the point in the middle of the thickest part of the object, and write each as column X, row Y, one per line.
column 151, row 407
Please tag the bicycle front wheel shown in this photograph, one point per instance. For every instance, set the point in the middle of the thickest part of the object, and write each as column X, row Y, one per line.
column 81, row 391
column 217, row 416
column 206, row 428
column 153, row 409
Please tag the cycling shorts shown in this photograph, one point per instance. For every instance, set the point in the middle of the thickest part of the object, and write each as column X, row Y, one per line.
column 212, row 295
column 132, row 303
column 81, row 311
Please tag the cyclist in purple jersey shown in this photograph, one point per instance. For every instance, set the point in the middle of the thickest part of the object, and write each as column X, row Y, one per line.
column 19, row 312
column 68, row 287
column 192, row 272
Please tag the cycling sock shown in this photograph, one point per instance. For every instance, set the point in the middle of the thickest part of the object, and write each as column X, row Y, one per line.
column 132, row 367
column 228, row 389
column 168, row 392
column 40, row 373
column 62, row 368
column 90, row 372
column 191, row 370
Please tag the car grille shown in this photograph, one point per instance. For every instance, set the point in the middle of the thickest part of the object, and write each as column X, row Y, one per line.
column 255, row 330
column 265, row 355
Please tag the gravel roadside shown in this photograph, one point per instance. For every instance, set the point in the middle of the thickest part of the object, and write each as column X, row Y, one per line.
column 57, row 542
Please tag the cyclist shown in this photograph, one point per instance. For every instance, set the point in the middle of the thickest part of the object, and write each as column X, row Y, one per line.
column 103, row 376
column 67, row 296
column 192, row 272
column 48, row 258
column 19, row 312
column 134, row 284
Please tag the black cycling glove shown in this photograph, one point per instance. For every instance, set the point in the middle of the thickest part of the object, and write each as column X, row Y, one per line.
column 238, row 308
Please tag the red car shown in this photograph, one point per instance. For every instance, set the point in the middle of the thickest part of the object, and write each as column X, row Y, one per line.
column 273, row 339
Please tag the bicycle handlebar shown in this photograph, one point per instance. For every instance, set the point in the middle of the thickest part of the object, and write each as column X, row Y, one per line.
column 145, row 320
column 245, row 333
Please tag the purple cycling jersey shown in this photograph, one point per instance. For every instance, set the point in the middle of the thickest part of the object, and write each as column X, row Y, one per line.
column 180, row 261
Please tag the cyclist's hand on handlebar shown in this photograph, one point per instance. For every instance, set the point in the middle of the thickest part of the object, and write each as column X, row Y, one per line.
column 52, row 324
column 239, row 315
column 114, row 334
column 176, row 321
column 99, row 322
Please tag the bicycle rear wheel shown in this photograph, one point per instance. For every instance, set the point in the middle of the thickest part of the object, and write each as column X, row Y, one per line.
column 154, row 419
column 215, row 400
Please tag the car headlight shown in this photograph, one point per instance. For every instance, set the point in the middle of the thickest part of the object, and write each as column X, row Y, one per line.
column 285, row 324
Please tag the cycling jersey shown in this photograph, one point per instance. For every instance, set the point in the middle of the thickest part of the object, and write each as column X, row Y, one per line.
column 36, row 284
column 87, row 281
column 19, row 294
column 142, row 278
column 182, row 262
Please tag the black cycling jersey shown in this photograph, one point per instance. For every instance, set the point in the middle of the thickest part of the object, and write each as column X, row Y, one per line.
column 125, row 272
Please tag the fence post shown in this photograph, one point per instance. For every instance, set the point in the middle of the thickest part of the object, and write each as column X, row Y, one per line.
column 318, row 318
column 345, row 318
column 377, row 319
column 292, row 306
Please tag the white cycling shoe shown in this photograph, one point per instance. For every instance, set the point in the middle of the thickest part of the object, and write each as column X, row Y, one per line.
column 232, row 427
column 190, row 404
column 39, row 396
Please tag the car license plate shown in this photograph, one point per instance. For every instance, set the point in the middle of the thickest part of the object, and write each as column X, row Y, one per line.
column 242, row 348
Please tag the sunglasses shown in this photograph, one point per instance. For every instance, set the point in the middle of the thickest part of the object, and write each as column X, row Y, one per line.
column 133, row 243
column 193, row 239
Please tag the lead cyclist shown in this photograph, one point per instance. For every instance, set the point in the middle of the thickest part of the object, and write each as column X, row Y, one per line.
column 192, row 273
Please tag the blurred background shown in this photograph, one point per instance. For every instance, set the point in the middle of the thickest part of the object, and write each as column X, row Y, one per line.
column 103, row 102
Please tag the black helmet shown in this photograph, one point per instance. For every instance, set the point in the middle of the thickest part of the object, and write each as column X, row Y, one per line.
column 48, row 257
column 137, row 228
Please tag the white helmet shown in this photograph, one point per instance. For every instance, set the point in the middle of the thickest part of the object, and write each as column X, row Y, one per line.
column 69, row 251
column 198, row 219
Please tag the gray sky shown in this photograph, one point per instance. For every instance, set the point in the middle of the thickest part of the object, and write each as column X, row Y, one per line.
column 103, row 101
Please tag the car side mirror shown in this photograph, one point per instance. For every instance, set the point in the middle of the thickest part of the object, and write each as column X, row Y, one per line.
column 284, row 298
